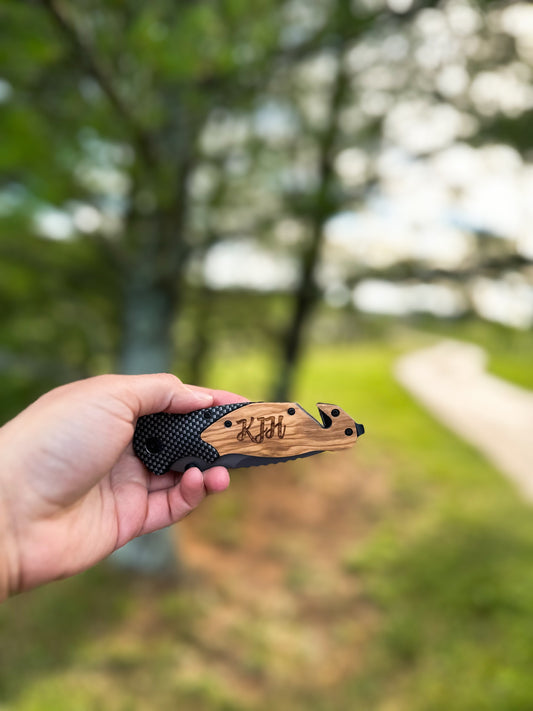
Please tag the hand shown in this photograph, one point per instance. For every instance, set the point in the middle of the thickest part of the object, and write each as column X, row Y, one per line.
column 71, row 489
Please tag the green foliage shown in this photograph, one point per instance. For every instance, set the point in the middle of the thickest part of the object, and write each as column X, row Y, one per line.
column 103, row 108
column 108, row 105
column 514, row 131
column 55, row 325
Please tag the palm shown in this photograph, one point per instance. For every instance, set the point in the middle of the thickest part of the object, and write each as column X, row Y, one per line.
column 126, row 503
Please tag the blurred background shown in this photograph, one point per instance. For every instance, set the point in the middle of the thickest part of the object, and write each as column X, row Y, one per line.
column 279, row 198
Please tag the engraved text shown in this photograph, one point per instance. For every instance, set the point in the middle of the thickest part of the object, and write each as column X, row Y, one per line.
column 257, row 429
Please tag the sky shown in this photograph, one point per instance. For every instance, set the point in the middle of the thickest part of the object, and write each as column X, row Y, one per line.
column 427, row 210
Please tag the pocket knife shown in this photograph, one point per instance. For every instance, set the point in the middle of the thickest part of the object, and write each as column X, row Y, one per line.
column 240, row 434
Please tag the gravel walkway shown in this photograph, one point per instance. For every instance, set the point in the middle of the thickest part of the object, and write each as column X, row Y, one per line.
column 495, row 416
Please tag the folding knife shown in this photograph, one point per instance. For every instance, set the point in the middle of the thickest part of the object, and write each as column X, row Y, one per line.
column 240, row 434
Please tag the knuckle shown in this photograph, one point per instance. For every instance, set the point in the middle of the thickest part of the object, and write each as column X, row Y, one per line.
column 170, row 378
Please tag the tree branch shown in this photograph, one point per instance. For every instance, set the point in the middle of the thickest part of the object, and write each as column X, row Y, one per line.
column 86, row 53
column 409, row 271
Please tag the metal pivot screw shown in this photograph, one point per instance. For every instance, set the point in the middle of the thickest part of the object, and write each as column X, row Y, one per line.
column 153, row 445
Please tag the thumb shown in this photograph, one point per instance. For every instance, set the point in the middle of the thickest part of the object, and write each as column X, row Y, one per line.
column 161, row 392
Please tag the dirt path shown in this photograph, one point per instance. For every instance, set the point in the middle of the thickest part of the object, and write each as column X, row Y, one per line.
column 271, row 552
column 492, row 414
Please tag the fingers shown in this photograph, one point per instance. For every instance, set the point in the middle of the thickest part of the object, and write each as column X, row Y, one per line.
column 216, row 480
column 220, row 397
column 166, row 506
column 191, row 490
column 164, row 481
column 163, row 392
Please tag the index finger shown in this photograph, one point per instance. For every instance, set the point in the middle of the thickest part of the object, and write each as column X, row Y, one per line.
column 220, row 397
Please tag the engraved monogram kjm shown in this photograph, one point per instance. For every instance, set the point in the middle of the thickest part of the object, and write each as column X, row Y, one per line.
column 265, row 428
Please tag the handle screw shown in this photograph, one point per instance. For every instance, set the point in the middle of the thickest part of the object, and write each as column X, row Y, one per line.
column 153, row 445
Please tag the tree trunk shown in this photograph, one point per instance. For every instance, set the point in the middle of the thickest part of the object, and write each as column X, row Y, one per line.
column 323, row 206
column 203, row 339
column 150, row 308
column 303, row 306
column 152, row 282
column 147, row 348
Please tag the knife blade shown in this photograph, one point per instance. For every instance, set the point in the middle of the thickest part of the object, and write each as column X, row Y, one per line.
column 240, row 434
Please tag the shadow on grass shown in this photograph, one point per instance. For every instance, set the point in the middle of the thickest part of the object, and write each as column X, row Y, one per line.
column 458, row 618
column 42, row 630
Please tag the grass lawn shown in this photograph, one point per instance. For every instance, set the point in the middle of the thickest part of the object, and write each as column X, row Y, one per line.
column 396, row 578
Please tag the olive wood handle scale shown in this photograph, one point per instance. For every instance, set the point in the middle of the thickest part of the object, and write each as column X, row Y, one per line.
column 242, row 434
